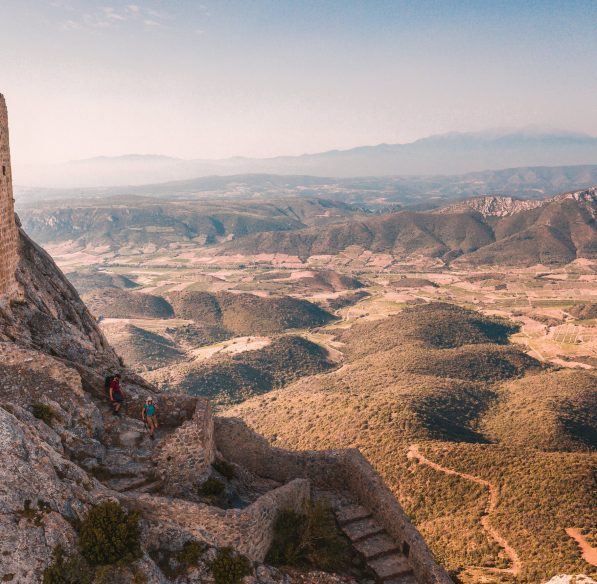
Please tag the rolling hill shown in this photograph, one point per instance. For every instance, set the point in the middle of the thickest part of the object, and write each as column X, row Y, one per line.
column 247, row 314
column 142, row 350
column 145, row 224
column 445, row 380
column 232, row 378
column 121, row 303
column 584, row 311
column 88, row 280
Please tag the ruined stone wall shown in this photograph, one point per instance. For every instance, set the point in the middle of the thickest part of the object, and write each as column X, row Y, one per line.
column 8, row 227
column 184, row 457
column 249, row 531
column 336, row 469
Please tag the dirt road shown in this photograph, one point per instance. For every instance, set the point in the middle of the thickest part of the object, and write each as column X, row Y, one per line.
column 415, row 453
column 589, row 553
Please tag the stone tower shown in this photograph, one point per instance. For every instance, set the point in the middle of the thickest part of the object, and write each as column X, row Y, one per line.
column 8, row 227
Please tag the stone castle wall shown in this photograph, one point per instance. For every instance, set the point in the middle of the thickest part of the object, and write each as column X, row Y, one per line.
column 339, row 469
column 8, row 228
column 249, row 531
column 185, row 456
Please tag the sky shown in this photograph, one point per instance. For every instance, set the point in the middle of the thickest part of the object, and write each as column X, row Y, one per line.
column 213, row 79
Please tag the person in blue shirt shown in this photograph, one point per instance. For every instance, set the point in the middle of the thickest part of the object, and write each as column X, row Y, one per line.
column 149, row 415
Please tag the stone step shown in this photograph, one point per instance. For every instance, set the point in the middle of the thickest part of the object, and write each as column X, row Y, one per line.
column 149, row 487
column 390, row 566
column 376, row 545
column 405, row 579
column 129, row 469
column 361, row 529
column 128, row 484
column 352, row 513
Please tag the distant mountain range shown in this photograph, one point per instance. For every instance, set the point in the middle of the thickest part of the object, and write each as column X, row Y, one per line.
column 452, row 153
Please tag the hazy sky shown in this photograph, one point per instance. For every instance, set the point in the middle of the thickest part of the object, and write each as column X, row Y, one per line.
column 211, row 79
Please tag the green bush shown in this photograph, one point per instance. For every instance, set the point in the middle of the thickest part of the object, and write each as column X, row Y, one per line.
column 224, row 468
column 67, row 569
column 310, row 540
column 229, row 568
column 175, row 564
column 211, row 488
column 43, row 412
column 118, row 575
column 190, row 553
column 109, row 534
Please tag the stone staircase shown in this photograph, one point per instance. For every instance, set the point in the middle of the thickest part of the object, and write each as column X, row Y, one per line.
column 383, row 555
column 131, row 464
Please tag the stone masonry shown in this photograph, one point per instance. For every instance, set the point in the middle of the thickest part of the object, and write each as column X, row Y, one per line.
column 8, row 227
column 342, row 470
column 185, row 456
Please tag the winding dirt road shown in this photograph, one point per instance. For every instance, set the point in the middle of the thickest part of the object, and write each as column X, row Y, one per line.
column 589, row 553
column 415, row 453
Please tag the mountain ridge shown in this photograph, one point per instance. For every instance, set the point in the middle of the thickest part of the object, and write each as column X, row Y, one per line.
column 451, row 153
column 554, row 231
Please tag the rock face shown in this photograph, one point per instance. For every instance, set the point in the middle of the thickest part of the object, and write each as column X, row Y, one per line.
column 504, row 206
column 493, row 206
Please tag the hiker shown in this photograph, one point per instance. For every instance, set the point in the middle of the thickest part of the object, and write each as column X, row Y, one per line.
column 149, row 415
column 116, row 397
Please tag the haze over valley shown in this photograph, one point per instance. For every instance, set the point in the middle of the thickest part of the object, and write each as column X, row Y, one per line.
column 280, row 305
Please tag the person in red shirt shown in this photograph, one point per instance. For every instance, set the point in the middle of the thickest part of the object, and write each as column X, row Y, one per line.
column 116, row 396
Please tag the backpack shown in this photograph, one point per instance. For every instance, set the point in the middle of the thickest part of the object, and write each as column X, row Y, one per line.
column 107, row 382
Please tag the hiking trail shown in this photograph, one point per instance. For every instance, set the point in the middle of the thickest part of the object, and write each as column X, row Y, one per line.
column 415, row 453
column 589, row 553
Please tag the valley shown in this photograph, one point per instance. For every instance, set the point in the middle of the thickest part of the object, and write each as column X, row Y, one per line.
column 466, row 380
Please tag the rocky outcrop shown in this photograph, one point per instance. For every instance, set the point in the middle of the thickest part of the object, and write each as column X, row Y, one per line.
column 48, row 315
column 493, row 206
column 504, row 206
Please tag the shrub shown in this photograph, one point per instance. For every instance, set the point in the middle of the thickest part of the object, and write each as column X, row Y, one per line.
column 109, row 534
column 175, row 564
column 67, row 569
column 190, row 553
column 211, row 488
column 309, row 540
column 43, row 412
column 228, row 568
column 224, row 468
column 118, row 575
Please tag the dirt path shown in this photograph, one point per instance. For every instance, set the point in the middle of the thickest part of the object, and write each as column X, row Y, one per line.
column 414, row 452
column 589, row 553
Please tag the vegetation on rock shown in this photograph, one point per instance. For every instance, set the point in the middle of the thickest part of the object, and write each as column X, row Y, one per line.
column 43, row 412
column 211, row 487
column 310, row 540
column 109, row 534
column 229, row 567
column 66, row 569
